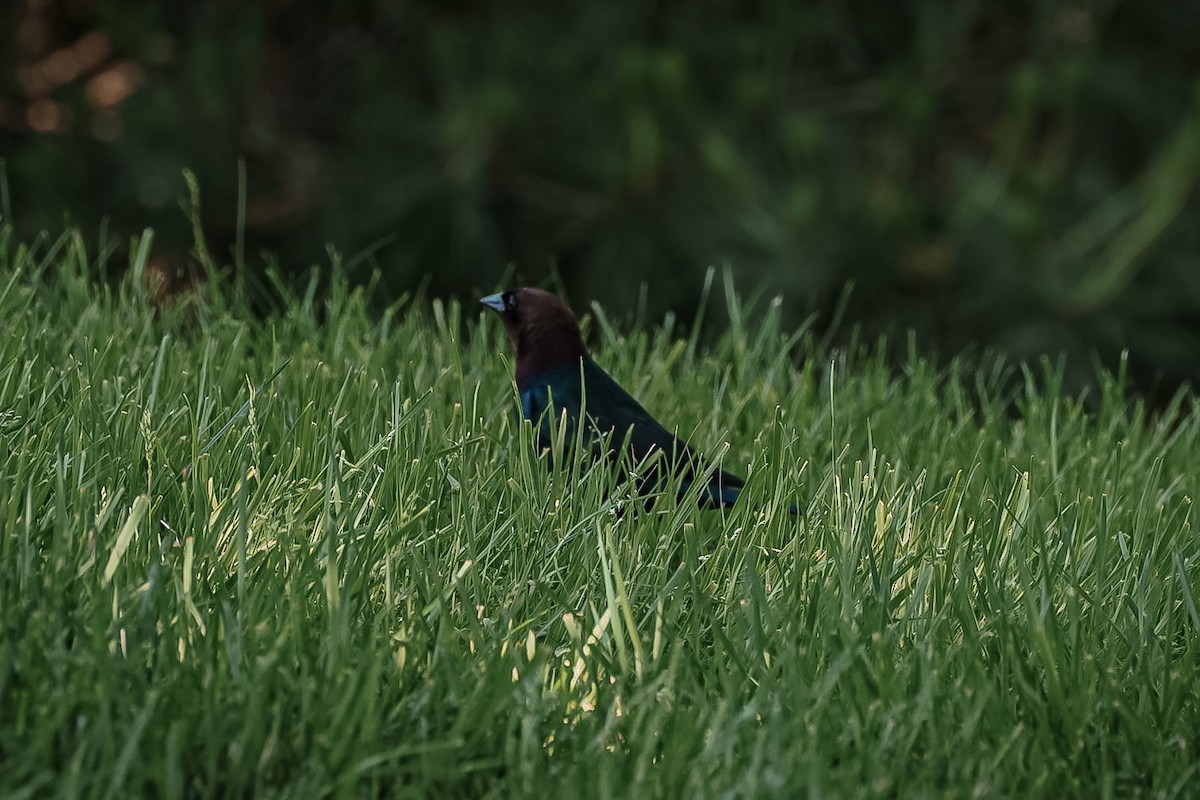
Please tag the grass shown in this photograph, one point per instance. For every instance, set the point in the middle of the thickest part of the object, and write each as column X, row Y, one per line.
column 370, row 587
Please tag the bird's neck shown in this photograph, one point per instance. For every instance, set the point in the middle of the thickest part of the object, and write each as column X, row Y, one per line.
column 540, row 350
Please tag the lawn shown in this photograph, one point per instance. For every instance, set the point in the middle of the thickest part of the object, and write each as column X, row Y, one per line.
column 308, row 551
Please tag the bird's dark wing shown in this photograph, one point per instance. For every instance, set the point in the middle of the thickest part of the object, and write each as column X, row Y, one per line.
column 585, row 388
column 609, row 407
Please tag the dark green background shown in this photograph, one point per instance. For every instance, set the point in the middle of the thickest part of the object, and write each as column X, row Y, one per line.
column 1013, row 175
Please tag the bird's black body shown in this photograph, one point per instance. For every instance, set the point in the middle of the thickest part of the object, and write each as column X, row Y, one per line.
column 557, row 378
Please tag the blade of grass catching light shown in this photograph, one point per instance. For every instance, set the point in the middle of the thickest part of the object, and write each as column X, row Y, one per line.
column 140, row 505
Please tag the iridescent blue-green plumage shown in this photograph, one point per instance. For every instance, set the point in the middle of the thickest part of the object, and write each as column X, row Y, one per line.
column 584, row 387
column 560, row 384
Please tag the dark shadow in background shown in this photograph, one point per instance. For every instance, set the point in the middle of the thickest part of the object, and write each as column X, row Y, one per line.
column 1012, row 175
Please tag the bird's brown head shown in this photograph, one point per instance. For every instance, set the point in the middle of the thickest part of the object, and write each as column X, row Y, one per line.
column 542, row 329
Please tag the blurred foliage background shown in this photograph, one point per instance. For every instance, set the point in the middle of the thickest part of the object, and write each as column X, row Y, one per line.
column 1015, row 175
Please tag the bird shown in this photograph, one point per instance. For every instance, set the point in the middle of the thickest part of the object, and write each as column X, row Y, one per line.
column 558, row 380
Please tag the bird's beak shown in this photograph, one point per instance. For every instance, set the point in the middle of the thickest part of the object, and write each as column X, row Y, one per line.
column 494, row 302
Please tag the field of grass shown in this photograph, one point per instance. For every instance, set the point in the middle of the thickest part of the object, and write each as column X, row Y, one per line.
column 312, row 554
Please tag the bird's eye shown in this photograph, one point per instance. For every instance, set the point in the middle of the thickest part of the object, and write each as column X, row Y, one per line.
column 510, row 301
